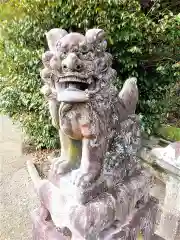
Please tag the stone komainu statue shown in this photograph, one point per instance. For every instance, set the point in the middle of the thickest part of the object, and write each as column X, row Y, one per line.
column 96, row 188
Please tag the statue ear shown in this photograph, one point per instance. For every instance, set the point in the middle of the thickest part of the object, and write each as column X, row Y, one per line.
column 95, row 35
column 100, row 35
column 53, row 36
column 63, row 31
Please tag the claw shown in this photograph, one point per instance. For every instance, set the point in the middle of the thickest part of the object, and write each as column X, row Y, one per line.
column 61, row 166
column 83, row 180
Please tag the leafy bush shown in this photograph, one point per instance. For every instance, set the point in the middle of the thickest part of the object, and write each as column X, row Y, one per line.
column 143, row 44
column 172, row 103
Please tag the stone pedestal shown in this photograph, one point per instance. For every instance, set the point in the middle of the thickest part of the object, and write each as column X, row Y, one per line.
column 118, row 212
column 44, row 228
column 139, row 224
column 116, row 206
column 169, row 158
column 169, row 226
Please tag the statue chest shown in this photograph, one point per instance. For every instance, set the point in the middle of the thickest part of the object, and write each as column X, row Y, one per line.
column 76, row 121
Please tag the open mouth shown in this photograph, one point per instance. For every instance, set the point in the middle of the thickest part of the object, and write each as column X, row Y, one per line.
column 72, row 92
column 74, row 86
column 73, row 83
column 71, row 88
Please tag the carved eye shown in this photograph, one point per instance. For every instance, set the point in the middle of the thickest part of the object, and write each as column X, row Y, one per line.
column 78, row 67
column 103, row 66
column 63, row 55
column 64, row 67
column 83, row 47
column 74, row 49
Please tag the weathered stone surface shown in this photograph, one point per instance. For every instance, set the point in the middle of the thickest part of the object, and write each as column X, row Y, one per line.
column 131, row 191
column 117, row 202
column 170, row 218
column 169, row 227
column 85, row 106
column 121, row 160
column 43, row 228
column 91, row 219
column 169, row 159
column 142, row 220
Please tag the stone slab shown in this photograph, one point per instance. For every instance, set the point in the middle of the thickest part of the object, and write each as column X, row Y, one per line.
column 169, row 227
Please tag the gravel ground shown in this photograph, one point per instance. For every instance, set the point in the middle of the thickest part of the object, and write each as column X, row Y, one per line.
column 17, row 196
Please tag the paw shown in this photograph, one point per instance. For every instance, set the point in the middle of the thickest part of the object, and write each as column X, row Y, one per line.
column 87, row 93
column 55, row 123
column 83, row 180
column 61, row 166
column 90, row 93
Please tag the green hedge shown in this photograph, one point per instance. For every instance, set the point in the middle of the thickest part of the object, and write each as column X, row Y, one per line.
column 172, row 101
column 144, row 43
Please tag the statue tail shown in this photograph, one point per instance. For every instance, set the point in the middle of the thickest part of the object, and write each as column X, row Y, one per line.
column 36, row 179
column 129, row 95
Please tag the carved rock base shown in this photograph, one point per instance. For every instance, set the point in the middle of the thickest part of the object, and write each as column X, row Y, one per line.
column 141, row 221
column 44, row 229
column 117, row 212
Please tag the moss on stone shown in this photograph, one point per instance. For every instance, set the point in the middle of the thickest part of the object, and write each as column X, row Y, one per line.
column 75, row 151
column 169, row 132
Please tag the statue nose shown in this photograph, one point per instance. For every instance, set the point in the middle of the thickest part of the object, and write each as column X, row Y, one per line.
column 72, row 63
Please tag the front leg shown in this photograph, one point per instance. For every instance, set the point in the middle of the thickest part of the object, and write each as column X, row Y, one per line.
column 53, row 109
column 70, row 154
column 91, row 162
